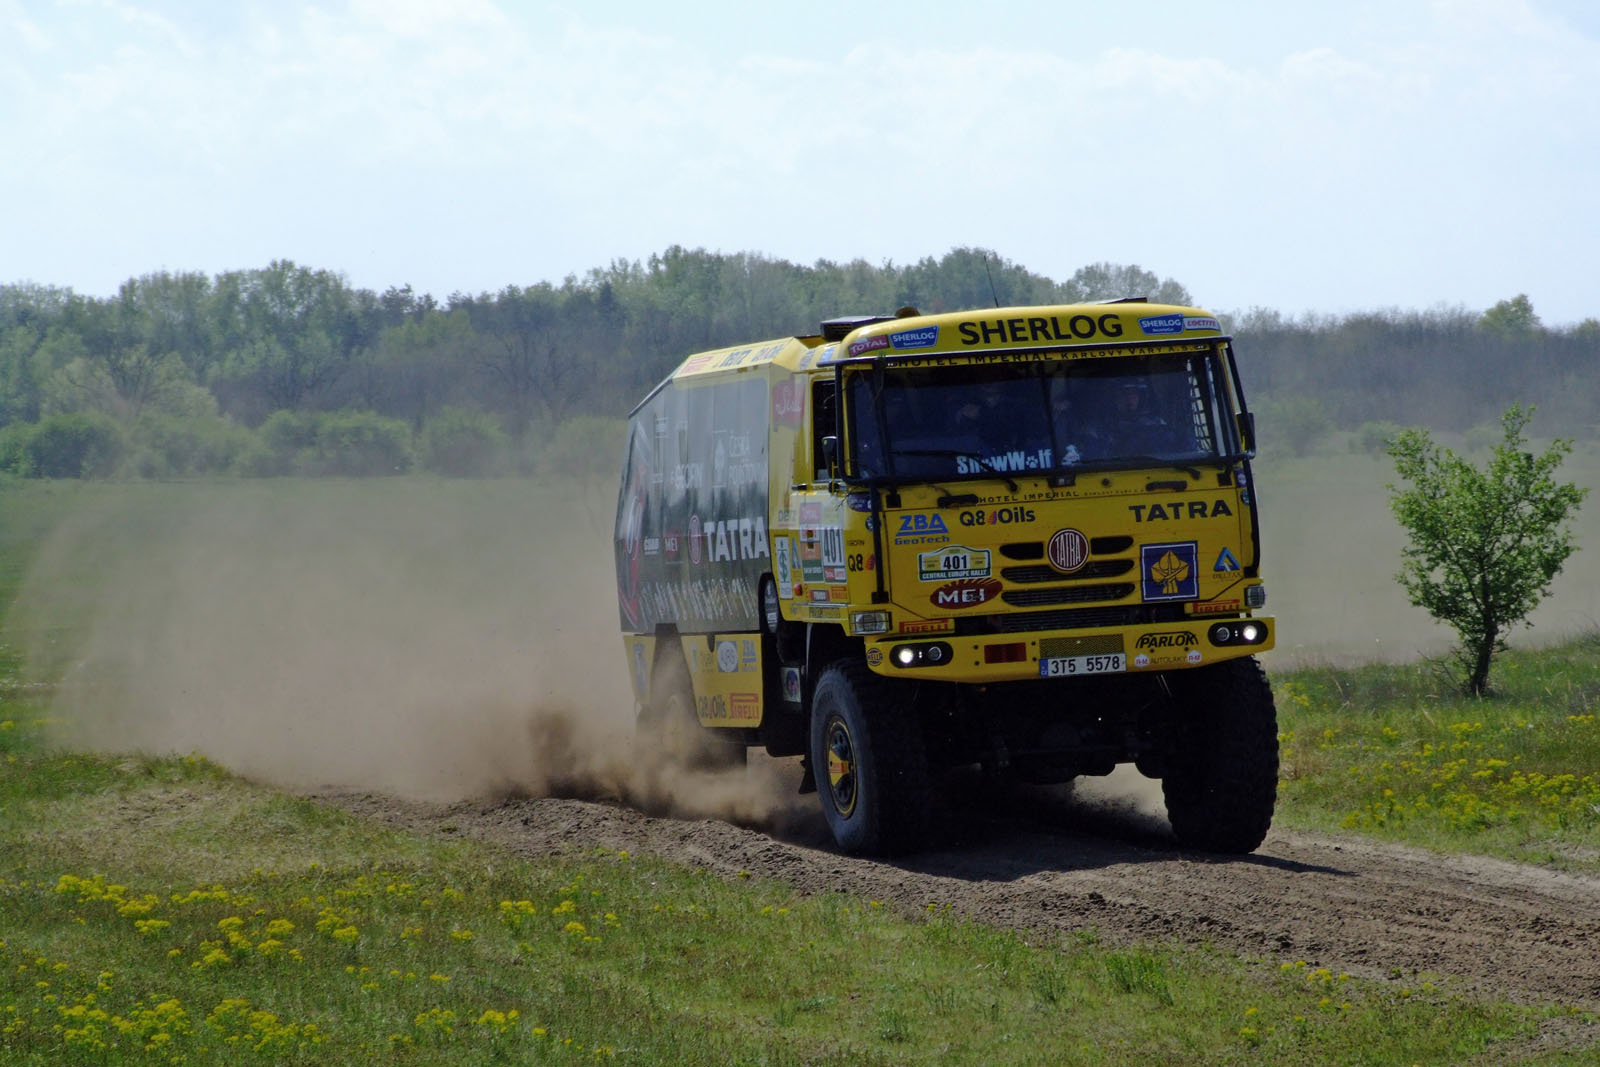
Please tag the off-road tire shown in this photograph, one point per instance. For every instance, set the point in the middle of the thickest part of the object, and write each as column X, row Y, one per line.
column 668, row 731
column 884, row 806
column 1222, row 768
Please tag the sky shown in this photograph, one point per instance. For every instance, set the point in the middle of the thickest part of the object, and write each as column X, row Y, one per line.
column 1313, row 158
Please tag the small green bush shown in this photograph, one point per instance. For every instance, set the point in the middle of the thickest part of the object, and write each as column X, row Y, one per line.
column 463, row 444
column 349, row 443
column 583, row 447
column 169, row 446
column 1293, row 424
column 1372, row 438
column 82, row 444
column 361, row 444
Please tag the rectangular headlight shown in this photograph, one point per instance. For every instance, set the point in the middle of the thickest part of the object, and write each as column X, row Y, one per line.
column 869, row 622
column 1255, row 596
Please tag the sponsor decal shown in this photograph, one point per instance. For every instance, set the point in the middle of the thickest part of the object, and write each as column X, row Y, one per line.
column 1194, row 657
column 672, row 541
column 1014, row 460
column 1141, row 660
column 820, row 611
column 1168, row 572
column 1216, row 607
column 791, row 684
column 868, row 344
column 874, row 657
column 727, row 657
column 745, row 708
column 1171, row 639
column 747, row 654
column 1155, row 324
column 997, row 516
column 927, row 626
column 788, row 402
column 833, row 564
column 966, row 593
column 838, row 592
column 819, row 594
column 1225, row 562
column 728, row 539
column 1039, row 329
column 1068, row 551
column 921, row 528
column 780, row 566
column 926, row 337
column 1200, row 322
column 956, row 561
column 1182, row 509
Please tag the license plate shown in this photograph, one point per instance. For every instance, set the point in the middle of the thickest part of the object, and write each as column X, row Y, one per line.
column 1071, row 666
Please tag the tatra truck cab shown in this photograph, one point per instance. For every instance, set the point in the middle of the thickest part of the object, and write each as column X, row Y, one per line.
column 1021, row 539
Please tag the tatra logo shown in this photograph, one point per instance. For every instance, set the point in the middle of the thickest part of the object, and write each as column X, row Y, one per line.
column 1183, row 509
column 1181, row 639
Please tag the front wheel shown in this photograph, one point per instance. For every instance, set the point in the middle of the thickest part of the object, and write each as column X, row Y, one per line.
column 870, row 761
column 1221, row 780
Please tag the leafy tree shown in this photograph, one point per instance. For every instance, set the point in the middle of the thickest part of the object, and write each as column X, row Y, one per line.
column 1511, row 318
column 1485, row 544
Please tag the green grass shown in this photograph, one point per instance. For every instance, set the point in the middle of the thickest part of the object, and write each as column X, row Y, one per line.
column 161, row 910
column 1398, row 752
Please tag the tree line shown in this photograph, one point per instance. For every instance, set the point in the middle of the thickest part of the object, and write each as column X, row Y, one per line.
column 289, row 368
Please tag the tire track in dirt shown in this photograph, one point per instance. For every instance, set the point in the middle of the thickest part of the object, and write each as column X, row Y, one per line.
column 1373, row 910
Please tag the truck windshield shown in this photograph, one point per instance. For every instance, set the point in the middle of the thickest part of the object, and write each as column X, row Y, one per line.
column 979, row 420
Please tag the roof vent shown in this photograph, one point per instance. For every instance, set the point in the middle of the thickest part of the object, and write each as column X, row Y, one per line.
column 838, row 329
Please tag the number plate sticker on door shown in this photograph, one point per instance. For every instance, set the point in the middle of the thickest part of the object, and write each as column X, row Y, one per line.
column 1072, row 666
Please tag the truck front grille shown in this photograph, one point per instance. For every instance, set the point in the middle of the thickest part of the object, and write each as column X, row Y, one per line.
column 1067, row 594
column 1100, row 568
column 1069, row 619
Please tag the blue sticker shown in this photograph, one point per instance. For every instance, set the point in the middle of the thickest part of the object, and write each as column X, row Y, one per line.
column 926, row 337
column 1169, row 571
column 921, row 528
column 1226, row 562
column 1162, row 324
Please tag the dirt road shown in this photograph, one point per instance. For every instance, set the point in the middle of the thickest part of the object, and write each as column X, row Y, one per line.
column 1045, row 861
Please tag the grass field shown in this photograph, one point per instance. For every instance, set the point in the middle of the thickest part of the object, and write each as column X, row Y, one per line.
column 400, row 634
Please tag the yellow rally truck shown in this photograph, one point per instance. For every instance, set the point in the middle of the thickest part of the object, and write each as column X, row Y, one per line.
column 1022, row 539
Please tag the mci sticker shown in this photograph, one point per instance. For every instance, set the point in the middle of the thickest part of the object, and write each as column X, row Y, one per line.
column 1168, row 571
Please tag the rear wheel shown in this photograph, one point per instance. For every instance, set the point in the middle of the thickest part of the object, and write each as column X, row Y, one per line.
column 1221, row 778
column 870, row 761
column 669, row 733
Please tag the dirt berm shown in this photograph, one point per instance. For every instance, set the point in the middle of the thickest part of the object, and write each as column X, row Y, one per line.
column 1043, row 861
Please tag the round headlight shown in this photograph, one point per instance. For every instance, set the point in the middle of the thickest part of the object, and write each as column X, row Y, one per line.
column 905, row 655
column 1250, row 632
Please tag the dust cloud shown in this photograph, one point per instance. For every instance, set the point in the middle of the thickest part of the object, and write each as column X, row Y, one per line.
column 429, row 640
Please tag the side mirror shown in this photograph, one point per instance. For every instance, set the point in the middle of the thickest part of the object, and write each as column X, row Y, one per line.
column 830, row 453
column 1247, row 432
